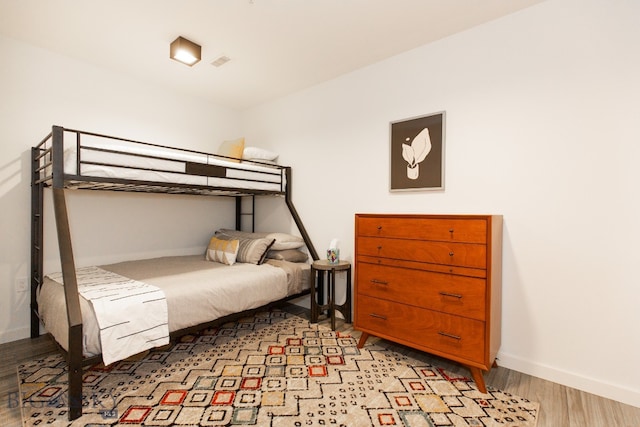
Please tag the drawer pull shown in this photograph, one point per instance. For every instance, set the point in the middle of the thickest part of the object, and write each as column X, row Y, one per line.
column 451, row 230
column 447, row 294
column 444, row 334
column 380, row 247
column 451, row 253
column 379, row 282
column 378, row 316
column 379, row 227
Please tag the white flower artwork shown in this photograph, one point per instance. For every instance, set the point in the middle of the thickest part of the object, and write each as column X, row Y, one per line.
column 415, row 152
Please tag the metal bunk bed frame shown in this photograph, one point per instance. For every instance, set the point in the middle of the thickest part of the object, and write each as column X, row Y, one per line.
column 45, row 159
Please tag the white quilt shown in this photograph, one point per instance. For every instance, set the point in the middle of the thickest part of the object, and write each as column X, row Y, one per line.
column 131, row 315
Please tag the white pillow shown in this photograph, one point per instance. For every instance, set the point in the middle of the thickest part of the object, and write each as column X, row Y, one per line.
column 255, row 153
column 241, row 234
column 291, row 255
column 285, row 241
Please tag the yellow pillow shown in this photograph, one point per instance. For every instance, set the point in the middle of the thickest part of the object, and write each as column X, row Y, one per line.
column 222, row 251
column 233, row 148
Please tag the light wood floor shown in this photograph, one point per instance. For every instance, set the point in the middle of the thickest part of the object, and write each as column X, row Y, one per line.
column 560, row 406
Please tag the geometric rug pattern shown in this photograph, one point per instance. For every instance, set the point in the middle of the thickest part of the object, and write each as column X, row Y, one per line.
column 270, row 369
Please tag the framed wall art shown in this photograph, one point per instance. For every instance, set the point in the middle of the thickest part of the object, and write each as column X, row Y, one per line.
column 417, row 153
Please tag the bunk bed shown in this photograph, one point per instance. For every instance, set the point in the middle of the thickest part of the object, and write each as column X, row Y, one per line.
column 69, row 159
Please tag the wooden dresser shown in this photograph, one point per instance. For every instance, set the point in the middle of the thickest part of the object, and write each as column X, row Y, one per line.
column 431, row 282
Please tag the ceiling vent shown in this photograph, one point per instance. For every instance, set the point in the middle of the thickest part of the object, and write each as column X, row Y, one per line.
column 220, row 61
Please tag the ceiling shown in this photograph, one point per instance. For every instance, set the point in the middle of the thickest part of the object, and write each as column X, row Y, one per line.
column 276, row 46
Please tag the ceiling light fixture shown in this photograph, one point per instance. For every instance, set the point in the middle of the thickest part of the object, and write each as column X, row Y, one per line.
column 185, row 51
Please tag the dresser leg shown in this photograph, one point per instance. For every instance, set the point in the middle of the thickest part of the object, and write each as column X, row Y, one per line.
column 477, row 376
column 363, row 339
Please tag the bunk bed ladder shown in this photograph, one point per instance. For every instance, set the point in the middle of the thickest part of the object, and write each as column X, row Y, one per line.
column 240, row 213
column 37, row 227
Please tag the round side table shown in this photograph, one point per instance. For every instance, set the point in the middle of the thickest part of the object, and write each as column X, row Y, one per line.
column 318, row 269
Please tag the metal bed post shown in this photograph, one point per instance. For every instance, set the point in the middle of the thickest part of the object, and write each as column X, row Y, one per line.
column 305, row 235
column 238, row 212
column 253, row 213
column 72, row 299
column 296, row 217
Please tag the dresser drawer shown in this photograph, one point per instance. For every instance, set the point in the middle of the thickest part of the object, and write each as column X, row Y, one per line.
column 480, row 273
column 441, row 229
column 456, row 337
column 459, row 295
column 448, row 253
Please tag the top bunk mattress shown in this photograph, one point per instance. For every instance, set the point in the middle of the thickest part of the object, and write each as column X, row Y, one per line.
column 109, row 159
column 197, row 291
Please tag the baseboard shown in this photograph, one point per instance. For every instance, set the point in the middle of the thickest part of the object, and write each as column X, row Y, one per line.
column 571, row 379
column 14, row 335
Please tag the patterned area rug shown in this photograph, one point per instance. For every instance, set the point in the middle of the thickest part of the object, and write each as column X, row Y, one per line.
column 272, row 369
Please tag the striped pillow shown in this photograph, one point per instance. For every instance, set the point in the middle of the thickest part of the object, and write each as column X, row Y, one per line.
column 222, row 251
column 254, row 251
column 251, row 251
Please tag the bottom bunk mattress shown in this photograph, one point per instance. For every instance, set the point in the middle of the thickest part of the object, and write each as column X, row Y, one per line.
column 196, row 290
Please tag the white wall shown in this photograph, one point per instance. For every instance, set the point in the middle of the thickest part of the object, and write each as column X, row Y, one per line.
column 39, row 89
column 542, row 127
